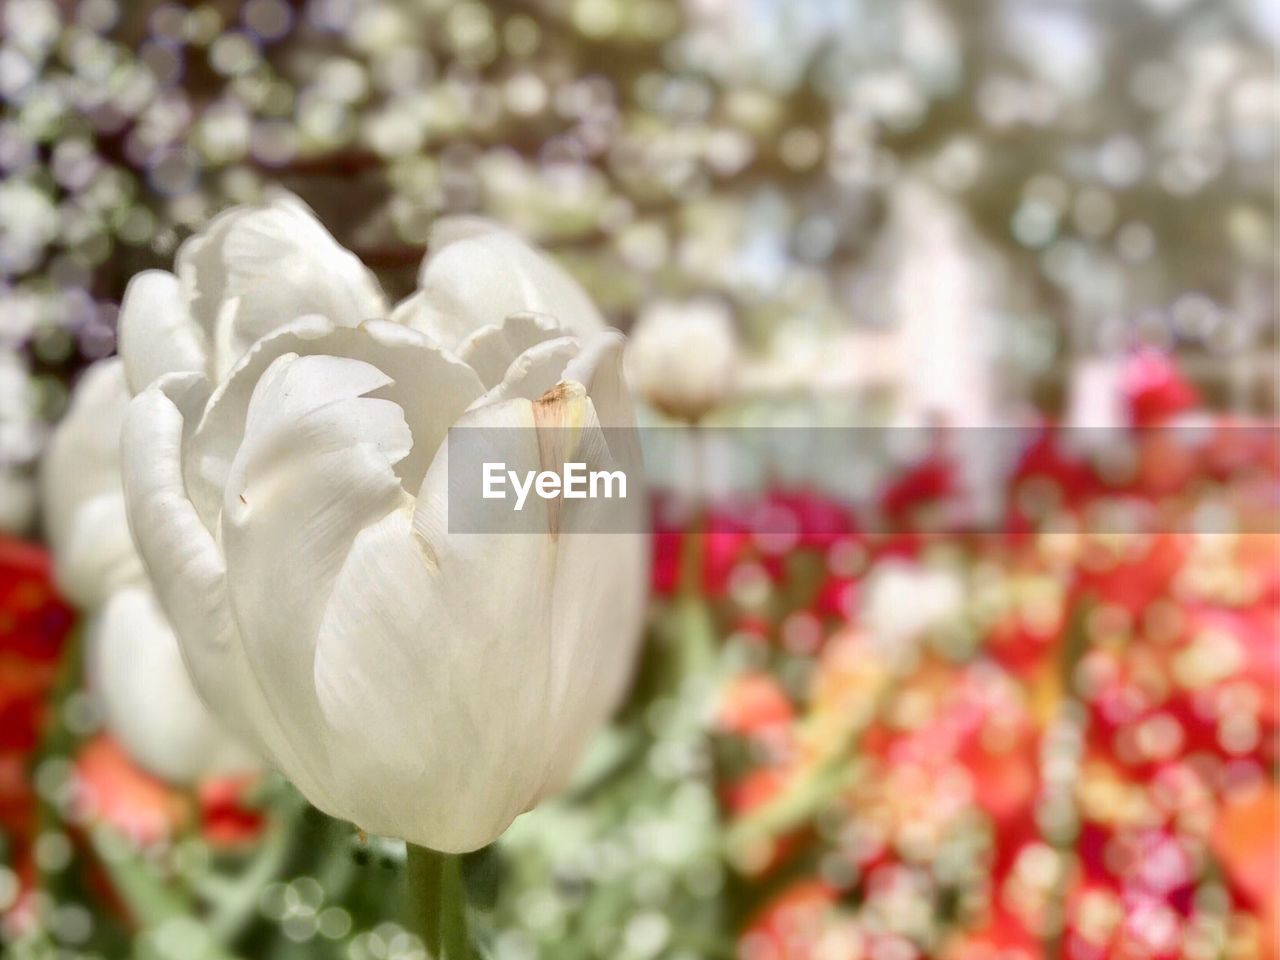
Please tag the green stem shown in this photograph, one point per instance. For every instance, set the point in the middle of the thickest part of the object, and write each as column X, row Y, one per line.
column 436, row 903
column 1073, row 650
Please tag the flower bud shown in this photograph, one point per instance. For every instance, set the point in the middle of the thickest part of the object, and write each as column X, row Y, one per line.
column 683, row 358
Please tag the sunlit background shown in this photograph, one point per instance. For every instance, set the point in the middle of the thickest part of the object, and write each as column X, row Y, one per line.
column 849, row 739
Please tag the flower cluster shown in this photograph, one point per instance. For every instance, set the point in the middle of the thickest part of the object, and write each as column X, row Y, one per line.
column 986, row 745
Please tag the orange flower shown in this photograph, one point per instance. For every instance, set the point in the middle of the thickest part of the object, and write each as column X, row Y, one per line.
column 754, row 704
column 1245, row 839
column 113, row 790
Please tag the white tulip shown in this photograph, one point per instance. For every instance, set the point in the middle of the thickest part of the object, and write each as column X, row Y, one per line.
column 249, row 271
column 294, row 518
column 82, row 495
column 477, row 273
column 683, row 358
column 135, row 668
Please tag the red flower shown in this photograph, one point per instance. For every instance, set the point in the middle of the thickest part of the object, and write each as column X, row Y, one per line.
column 112, row 789
column 1155, row 389
column 226, row 819
column 1141, row 571
column 925, row 485
column 1050, row 470
column 34, row 623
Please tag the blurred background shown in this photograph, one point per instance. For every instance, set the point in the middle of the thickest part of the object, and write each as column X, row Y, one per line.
column 849, row 739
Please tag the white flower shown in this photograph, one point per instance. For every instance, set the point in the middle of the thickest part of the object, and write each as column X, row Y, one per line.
column 683, row 358
column 149, row 703
column 477, row 273
column 28, row 224
column 250, row 271
column 81, row 493
column 904, row 601
column 423, row 684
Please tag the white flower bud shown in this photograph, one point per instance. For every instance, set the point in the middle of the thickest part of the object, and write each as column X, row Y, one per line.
column 683, row 358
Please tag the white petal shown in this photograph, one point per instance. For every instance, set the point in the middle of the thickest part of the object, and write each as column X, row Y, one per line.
column 148, row 701
column 533, row 372
column 477, row 273
column 601, row 567
column 431, row 387
column 432, row 691
column 202, row 275
column 604, row 550
column 310, row 406
column 595, row 643
column 182, row 559
column 302, row 486
column 598, row 367
column 255, row 269
column 157, row 334
column 553, row 644
column 81, row 489
column 491, row 350
column 184, row 563
column 98, row 556
column 422, row 644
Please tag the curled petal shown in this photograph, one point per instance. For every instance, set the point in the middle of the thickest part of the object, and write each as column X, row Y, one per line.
column 534, row 372
column 598, row 366
column 429, row 385
column 315, row 468
column 253, row 270
column 478, row 272
column 491, row 350
column 180, row 554
column 157, row 334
